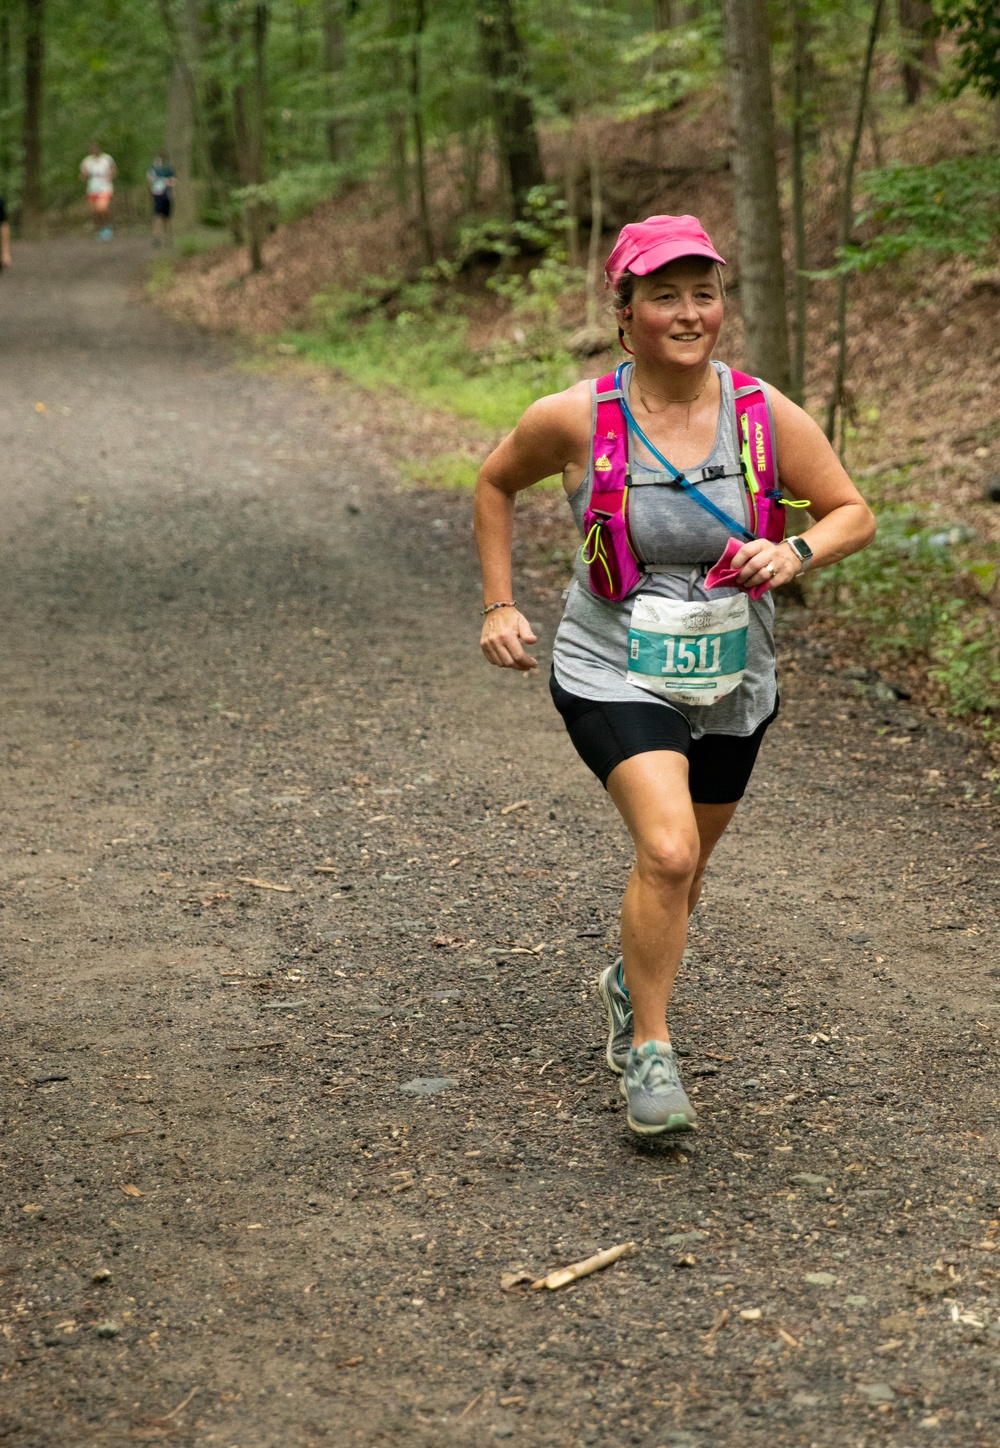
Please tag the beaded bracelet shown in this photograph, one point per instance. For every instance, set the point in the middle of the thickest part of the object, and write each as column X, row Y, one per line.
column 491, row 606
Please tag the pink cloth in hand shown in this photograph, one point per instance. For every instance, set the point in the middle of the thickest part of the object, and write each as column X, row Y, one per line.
column 720, row 575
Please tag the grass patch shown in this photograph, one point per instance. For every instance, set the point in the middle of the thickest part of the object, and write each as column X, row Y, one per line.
column 446, row 470
column 453, row 470
column 163, row 268
column 161, row 276
column 428, row 360
column 205, row 238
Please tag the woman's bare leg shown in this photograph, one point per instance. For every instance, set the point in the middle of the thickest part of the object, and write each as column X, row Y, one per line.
column 673, row 842
column 650, row 792
column 713, row 821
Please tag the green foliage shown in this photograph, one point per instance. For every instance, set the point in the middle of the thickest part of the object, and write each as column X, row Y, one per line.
column 975, row 24
column 411, row 334
column 966, row 663
column 664, row 66
column 299, row 190
column 106, row 69
column 952, row 207
column 535, row 298
column 422, row 351
column 918, row 593
column 540, row 229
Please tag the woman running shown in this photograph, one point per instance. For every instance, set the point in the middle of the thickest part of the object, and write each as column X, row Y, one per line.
column 98, row 170
column 669, row 715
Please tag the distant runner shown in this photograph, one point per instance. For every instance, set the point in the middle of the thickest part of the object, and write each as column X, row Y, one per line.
column 160, row 179
column 99, row 171
column 663, row 668
column 5, row 259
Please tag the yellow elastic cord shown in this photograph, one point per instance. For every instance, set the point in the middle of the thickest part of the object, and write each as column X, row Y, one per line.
column 796, row 502
column 596, row 529
column 748, row 473
column 597, row 554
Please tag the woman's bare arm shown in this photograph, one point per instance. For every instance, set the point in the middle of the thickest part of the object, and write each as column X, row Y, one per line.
column 809, row 469
column 550, row 438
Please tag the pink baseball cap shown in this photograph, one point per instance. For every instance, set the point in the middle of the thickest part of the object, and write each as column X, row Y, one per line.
column 644, row 246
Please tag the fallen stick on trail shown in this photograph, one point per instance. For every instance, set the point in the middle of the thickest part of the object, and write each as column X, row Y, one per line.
column 470, row 1405
column 564, row 1275
column 162, row 1422
column 265, row 884
column 709, row 1337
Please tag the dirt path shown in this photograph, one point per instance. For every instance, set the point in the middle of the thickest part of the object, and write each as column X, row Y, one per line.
column 231, row 653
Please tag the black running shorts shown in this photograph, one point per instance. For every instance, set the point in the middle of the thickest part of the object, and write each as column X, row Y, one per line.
column 719, row 765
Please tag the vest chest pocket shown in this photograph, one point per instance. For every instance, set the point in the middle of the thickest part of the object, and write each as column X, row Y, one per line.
column 688, row 652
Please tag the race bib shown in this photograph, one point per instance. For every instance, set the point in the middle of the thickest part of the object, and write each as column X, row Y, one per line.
column 688, row 652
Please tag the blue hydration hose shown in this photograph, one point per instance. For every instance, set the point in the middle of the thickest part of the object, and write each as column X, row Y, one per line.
column 677, row 477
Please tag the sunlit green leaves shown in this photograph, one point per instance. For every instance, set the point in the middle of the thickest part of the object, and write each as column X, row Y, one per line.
column 952, row 207
column 975, row 25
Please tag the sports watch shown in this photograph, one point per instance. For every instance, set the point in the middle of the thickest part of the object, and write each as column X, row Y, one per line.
column 802, row 551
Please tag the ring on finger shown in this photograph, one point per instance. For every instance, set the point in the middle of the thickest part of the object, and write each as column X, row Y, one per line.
column 771, row 570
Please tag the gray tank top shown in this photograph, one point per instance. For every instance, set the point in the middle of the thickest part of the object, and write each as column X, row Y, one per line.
column 680, row 540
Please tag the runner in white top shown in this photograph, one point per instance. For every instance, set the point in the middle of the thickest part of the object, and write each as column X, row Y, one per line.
column 99, row 171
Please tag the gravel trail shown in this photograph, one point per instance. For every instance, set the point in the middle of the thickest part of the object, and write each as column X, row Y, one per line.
column 277, row 845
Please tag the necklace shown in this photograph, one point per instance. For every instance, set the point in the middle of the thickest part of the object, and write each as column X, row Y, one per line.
column 671, row 401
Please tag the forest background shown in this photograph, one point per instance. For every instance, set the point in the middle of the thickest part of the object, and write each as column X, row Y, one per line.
column 420, row 195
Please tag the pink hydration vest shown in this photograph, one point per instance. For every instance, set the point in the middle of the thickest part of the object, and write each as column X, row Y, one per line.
column 615, row 569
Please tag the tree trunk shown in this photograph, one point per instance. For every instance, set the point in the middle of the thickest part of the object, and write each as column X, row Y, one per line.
column 513, row 115
column 596, row 225
column 472, row 164
column 801, row 36
column 919, row 45
column 417, row 117
column 179, row 144
column 570, row 194
column 337, row 146
column 668, row 13
column 215, row 119
column 34, row 58
column 249, row 119
column 6, row 91
column 396, row 117
column 847, row 221
column 256, row 216
column 755, row 189
column 182, row 109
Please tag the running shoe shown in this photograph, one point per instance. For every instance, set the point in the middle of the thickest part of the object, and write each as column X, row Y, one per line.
column 652, row 1088
column 619, row 1009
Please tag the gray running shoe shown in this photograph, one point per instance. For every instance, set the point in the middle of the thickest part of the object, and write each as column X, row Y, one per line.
column 652, row 1087
column 619, row 1009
